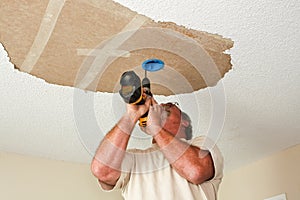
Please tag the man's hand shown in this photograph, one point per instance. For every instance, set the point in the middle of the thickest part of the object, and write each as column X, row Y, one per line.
column 136, row 111
column 156, row 119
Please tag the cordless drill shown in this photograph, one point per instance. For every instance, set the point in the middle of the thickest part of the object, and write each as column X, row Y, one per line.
column 132, row 90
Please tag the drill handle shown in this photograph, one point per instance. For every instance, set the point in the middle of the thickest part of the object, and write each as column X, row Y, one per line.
column 146, row 86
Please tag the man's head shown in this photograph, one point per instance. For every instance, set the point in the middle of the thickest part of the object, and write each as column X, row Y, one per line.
column 177, row 122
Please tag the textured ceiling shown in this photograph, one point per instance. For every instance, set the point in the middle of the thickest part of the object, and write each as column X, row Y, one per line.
column 261, row 90
column 61, row 43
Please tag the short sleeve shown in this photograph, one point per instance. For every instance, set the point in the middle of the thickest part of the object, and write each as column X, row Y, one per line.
column 125, row 173
column 207, row 144
column 122, row 181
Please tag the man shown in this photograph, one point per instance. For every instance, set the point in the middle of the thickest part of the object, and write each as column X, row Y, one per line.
column 174, row 168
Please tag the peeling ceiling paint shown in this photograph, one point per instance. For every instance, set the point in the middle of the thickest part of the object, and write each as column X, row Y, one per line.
column 261, row 90
column 64, row 45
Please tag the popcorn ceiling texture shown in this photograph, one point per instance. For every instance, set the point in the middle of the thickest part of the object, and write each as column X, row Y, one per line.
column 262, row 89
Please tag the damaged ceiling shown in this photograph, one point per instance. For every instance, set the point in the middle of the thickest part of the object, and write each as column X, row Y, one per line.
column 51, row 45
column 63, row 44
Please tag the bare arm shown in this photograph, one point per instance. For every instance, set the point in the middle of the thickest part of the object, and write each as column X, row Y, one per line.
column 192, row 163
column 106, row 164
column 107, row 161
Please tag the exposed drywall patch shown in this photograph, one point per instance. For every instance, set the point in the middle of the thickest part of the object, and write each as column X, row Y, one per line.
column 59, row 41
column 45, row 31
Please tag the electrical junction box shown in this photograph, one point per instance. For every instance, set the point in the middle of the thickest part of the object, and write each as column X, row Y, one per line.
column 278, row 197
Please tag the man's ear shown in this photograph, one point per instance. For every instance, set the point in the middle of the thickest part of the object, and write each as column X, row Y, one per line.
column 185, row 123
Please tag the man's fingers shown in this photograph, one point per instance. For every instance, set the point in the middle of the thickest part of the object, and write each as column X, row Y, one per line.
column 159, row 107
column 154, row 102
column 148, row 101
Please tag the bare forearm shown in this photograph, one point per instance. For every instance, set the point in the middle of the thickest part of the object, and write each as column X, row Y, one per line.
column 111, row 151
column 175, row 150
column 184, row 158
column 106, row 165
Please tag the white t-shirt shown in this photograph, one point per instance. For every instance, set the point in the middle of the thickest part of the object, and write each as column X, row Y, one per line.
column 147, row 175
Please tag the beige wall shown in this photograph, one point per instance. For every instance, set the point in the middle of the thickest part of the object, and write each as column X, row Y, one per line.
column 29, row 178
column 273, row 175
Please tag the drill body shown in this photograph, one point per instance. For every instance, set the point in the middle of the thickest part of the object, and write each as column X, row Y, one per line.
column 132, row 89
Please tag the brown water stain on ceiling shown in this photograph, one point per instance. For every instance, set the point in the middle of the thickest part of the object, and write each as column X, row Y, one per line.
column 89, row 44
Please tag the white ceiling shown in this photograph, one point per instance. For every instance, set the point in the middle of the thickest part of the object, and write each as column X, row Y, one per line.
column 262, row 90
